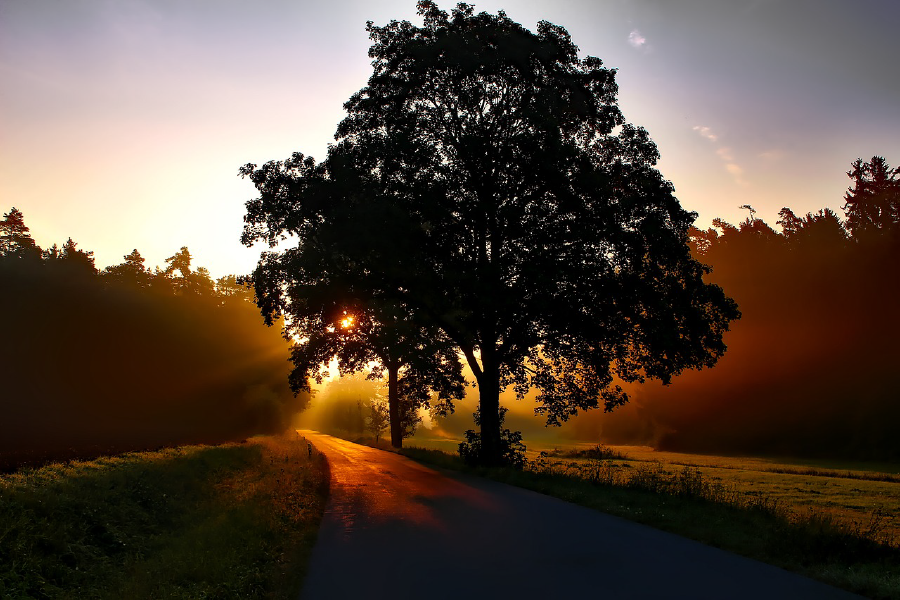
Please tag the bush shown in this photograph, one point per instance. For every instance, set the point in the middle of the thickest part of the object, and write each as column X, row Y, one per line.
column 512, row 450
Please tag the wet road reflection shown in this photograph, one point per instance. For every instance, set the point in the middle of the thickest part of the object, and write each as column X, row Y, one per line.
column 370, row 487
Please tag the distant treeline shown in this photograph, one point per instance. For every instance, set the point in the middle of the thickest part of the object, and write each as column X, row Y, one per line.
column 129, row 357
column 812, row 366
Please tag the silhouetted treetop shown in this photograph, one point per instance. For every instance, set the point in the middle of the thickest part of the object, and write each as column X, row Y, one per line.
column 131, row 272
column 15, row 236
column 822, row 228
column 478, row 80
column 74, row 258
column 192, row 281
column 872, row 204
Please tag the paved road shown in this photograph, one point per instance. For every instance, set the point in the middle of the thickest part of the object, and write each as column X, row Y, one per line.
column 395, row 529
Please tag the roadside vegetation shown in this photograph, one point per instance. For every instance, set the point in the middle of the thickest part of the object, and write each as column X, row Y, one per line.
column 848, row 540
column 236, row 520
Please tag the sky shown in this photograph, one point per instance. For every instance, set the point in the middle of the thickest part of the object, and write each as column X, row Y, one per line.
column 123, row 122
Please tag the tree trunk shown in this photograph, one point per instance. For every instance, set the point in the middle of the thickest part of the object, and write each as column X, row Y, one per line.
column 394, row 405
column 489, row 405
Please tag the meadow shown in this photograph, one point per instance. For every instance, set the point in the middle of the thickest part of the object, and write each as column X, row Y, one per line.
column 235, row 520
column 856, row 496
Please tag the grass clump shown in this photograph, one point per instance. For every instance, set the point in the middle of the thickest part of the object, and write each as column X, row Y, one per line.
column 860, row 557
column 228, row 521
column 598, row 452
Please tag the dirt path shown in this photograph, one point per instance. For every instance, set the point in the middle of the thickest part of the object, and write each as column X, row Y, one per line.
column 395, row 529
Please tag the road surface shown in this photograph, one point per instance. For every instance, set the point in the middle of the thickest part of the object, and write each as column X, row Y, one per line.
column 397, row 530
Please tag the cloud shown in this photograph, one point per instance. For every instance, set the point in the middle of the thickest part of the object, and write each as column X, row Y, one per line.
column 737, row 172
column 774, row 154
column 636, row 39
column 706, row 132
column 725, row 153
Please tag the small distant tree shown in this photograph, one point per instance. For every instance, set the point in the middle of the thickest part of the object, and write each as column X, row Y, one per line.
column 72, row 257
column 131, row 272
column 379, row 419
column 15, row 236
column 180, row 261
column 197, row 282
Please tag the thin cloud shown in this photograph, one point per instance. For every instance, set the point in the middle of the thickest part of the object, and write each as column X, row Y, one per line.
column 724, row 153
column 737, row 172
column 774, row 154
column 706, row 132
column 636, row 40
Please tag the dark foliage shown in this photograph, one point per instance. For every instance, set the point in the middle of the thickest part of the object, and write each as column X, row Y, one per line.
column 512, row 450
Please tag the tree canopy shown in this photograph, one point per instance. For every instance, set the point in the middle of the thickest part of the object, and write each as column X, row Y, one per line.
column 486, row 181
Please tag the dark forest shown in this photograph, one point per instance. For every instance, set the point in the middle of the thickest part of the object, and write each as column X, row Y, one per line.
column 811, row 367
column 128, row 357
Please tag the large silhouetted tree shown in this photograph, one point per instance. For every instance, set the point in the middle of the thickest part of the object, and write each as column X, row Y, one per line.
column 486, row 180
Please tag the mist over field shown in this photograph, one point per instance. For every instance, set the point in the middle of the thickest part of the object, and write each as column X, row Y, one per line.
column 810, row 367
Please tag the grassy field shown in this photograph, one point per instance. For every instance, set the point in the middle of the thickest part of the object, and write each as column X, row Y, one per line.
column 838, row 525
column 857, row 497
column 228, row 521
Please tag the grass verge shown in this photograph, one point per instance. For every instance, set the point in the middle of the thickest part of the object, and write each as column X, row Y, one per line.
column 685, row 503
column 227, row 521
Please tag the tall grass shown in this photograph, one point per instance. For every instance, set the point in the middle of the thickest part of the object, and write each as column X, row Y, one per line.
column 689, row 482
column 229, row 521
column 598, row 451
